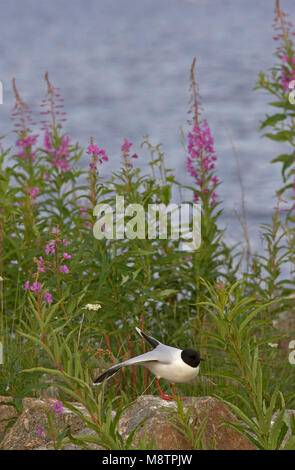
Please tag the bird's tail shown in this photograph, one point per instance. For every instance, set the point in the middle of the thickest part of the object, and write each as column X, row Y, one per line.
column 107, row 374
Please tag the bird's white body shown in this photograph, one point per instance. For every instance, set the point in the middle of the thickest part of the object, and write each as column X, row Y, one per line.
column 174, row 372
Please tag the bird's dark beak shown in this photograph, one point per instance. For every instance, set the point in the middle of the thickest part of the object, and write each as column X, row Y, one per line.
column 201, row 359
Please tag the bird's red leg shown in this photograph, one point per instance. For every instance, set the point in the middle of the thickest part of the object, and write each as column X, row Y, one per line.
column 165, row 397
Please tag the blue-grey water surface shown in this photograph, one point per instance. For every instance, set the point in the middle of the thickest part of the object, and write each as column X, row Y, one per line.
column 123, row 69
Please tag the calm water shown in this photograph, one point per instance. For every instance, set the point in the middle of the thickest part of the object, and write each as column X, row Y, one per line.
column 123, row 69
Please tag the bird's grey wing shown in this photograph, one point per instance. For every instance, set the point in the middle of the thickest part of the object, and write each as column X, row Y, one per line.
column 151, row 356
column 152, row 341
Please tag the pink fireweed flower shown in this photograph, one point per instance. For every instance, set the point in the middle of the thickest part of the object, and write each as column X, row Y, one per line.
column 285, row 58
column 66, row 256
column 27, row 141
column 49, row 249
column 126, row 146
column 41, row 265
column 64, row 242
column 48, row 297
column 47, row 141
column 214, row 197
column 40, row 431
column 27, row 285
column 60, row 163
column 63, row 165
column 59, row 156
column 285, row 50
column 63, row 148
column 288, row 74
column 97, row 154
column 34, row 192
column 190, row 168
column 64, row 269
column 200, row 139
column 201, row 156
column 23, row 154
column 36, row 287
column 83, row 211
column 103, row 156
column 57, row 407
column 92, row 149
column 95, row 150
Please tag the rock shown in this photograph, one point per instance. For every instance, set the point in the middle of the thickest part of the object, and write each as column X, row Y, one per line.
column 23, row 435
column 289, row 432
column 70, row 445
column 166, row 437
column 7, row 413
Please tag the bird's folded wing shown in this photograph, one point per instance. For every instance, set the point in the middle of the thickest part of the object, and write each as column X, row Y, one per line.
column 151, row 356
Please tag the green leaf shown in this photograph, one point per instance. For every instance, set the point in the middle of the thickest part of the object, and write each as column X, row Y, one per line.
column 167, row 293
column 272, row 120
column 281, row 136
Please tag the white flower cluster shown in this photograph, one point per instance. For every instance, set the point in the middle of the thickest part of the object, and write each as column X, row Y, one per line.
column 94, row 307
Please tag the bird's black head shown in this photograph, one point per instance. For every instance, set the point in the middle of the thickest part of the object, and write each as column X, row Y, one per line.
column 191, row 357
